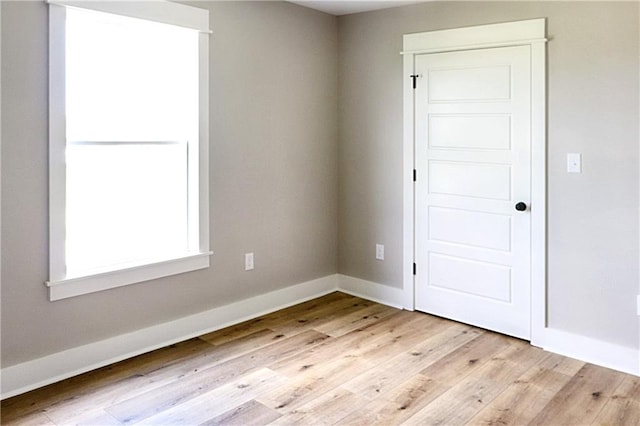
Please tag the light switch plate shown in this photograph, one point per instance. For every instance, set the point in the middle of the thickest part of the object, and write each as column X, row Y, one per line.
column 574, row 163
column 248, row 261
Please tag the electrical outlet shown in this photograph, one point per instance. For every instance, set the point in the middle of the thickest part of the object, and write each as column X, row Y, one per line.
column 379, row 251
column 574, row 163
column 248, row 261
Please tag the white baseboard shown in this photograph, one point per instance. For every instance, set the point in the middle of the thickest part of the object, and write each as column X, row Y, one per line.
column 40, row 372
column 594, row 351
column 30, row 375
column 370, row 290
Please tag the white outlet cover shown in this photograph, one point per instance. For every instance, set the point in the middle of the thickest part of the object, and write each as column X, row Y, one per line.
column 574, row 163
column 248, row 261
column 379, row 251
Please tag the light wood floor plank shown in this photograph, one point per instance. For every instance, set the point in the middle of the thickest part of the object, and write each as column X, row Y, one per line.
column 207, row 378
column 244, row 344
column 327, row 409
column 292, row 320
column 582, row 398
column 467, row 358
column 527, row 396
column 206, row 406
column 355, row 320
column 86, row 404
column 458, row 404
column 401, row 337
column 347, row 345
column 509, row 364
column 319, row 369
column 100, row 417
column 339, row 360
column 398, row 404
column 116, row 396
column 623, row 408
column 95, row 384
column 29, row 419
column 251, row 413
column 322, row 314
column 393, row 372
column 308, row 385
column 552, row 372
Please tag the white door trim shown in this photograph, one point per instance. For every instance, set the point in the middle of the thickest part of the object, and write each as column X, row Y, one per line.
column 531, row 33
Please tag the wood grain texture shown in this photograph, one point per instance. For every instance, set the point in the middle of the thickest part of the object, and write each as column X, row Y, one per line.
column 339, row 360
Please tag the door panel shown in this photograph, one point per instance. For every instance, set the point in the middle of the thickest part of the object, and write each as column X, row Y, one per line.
column 473, row 148
column 469, row 84
column 470, row 228
column 491, row 280
column 491, row 132
column 470, row 179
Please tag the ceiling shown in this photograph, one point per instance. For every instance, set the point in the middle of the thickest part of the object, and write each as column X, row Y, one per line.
column 345, row 7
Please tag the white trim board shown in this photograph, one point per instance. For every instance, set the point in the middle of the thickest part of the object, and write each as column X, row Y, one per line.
column 180, row 15
column 481, row 36
column 594, row 351
column 587, row 349
column 40, row 372
column 384, row 294
column 52, row 368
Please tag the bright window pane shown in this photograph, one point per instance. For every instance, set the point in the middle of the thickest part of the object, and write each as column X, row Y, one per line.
column 129, row 79
column 125, row 204
column 132, row 113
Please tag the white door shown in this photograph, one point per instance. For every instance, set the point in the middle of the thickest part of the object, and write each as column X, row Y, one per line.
column 473, row 161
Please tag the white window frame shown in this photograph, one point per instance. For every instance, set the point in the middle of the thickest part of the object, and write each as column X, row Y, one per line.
column 60, row 285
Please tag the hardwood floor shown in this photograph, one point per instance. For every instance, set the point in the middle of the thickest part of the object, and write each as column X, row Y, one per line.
column 339, row 360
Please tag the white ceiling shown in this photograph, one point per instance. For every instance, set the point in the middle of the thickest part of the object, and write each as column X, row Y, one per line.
column 344, row 7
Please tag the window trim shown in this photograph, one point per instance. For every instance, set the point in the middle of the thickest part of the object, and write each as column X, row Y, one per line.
column 60, row 286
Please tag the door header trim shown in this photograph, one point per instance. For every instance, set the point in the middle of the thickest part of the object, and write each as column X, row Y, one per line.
column 476, row 37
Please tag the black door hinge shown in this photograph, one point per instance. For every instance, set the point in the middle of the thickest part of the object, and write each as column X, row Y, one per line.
column 414, row 269
column 415, row 175
column 415, row 78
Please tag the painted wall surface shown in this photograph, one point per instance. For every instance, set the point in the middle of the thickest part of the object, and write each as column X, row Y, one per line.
column 273, row 176
column 310, row 181
column 593, row 71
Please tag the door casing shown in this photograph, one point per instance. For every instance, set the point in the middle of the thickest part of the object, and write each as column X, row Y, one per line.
column 531, row 33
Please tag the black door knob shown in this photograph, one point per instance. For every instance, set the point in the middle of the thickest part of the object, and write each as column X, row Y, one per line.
column 521, row 206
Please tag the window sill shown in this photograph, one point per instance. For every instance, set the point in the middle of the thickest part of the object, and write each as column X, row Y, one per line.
column 70, row 287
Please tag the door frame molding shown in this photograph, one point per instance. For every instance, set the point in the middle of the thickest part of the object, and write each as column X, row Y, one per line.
column 520, row 33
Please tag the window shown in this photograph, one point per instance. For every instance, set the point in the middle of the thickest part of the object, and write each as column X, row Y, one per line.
column 128, row 143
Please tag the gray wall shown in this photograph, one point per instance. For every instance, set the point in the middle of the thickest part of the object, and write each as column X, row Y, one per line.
column 288, row 187
column 592, row 109
column 273, row 176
